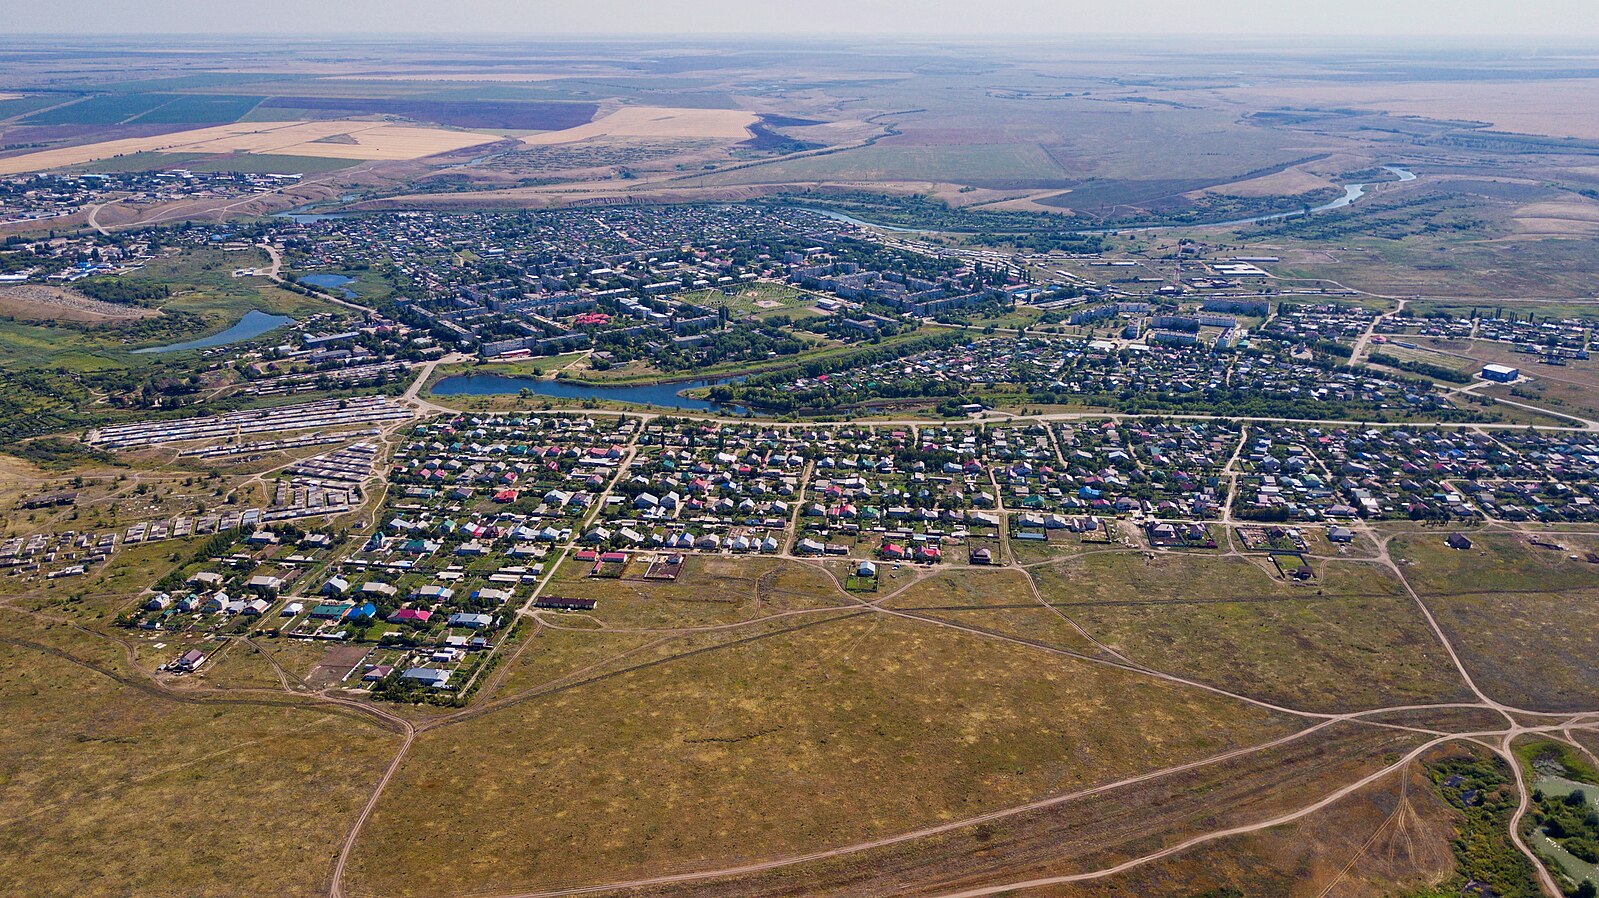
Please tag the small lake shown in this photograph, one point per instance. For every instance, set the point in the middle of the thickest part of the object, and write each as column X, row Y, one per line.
column 662, row 395
column 252, row 325
column 334, row 282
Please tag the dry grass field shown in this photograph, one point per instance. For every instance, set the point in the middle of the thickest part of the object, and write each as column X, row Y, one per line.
column 337, row 140
column 1094, row 832
column 113, row 791
column 766, row 747
column 710, row 591
column 1561, row 107
column 34, row 302
column 1523, row 618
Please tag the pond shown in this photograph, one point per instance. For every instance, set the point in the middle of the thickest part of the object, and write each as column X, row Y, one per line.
column 328, row 281
column 667, row 395
column 1560, row 787
column 252, row 325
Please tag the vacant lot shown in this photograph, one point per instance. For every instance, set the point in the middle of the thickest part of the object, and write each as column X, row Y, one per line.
column 1319, row 654
column 1136, row 579
column 1496, row 562
column 709, row 591
column 967, row 588
column 1532, row 649
column 1522, row 617
column 766, row 747
column 104, row 785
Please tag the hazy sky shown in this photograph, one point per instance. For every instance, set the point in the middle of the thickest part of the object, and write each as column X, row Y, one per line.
column 1418, row 18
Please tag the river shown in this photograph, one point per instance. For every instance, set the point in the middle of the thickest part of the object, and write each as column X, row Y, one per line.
column 252, row 325
column 1352, row 192
column 664, row 395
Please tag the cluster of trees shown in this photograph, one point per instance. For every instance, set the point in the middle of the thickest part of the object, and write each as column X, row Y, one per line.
column 124, row 291
column 1485, row 859
column 769, row 391
column 1427, row 369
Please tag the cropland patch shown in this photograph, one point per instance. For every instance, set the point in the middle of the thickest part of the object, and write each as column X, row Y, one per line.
column 367, row 141
column 656, row 122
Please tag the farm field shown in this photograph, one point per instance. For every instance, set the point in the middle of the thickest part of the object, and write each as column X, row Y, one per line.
column 337, row 140
column 653, row 123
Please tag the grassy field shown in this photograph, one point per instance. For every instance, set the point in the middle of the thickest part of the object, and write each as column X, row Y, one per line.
column 1076, row 836
column 1319, row 654
column 758, row 300
column 764, row 747
column 710, row 590
column 113, row 810
column 1496, row 562
column 1523, row 618
column 970, row 587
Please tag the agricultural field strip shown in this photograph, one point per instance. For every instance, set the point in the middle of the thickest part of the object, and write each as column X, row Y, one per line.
column 371, row 140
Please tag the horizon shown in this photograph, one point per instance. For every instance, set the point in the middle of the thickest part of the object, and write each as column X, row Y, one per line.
column 1567, row 20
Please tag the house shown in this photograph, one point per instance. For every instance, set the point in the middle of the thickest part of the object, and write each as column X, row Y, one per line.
column 377, row 672
column 430, row 677
column 363, row 611
column 189, row 661
column 375, row 588
column 208, row 579
column 1340, row 534
column 866, row 569
column 470, row 620
column 255, row 607
column 1458, row 541
column 336, row 586
column 433, row 593
column 291, row 609
column 982, row 556
column 410, row 616
column 264, row 583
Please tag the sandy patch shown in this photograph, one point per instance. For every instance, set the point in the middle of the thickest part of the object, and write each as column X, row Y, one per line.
column 366, row 141
column 658, row 122
column 1289, row 182
column 37, row 302
column 1557, row 107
